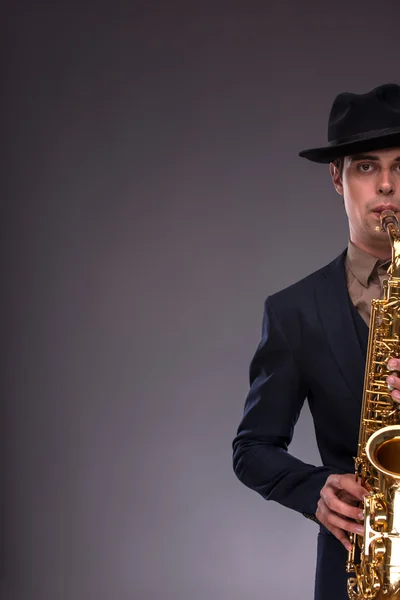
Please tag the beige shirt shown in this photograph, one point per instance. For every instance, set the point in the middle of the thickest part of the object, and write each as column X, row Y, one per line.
column 365, row 274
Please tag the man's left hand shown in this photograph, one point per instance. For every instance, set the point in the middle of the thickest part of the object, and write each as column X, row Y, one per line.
column 393, row 380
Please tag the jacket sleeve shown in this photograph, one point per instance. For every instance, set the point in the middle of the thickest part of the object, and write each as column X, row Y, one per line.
column 260, row 449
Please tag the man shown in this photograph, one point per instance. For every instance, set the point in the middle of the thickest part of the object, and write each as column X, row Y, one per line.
column 314, row 340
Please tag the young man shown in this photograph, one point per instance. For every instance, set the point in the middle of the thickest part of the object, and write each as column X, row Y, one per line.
column 314, row 340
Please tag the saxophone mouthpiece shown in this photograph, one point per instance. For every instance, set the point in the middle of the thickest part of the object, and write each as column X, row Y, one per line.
column 388, row 217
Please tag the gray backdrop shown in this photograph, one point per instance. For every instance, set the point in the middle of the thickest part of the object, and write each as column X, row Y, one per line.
column 154, row 198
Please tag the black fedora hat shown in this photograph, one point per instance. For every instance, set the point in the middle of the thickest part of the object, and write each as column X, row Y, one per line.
column 360, row 123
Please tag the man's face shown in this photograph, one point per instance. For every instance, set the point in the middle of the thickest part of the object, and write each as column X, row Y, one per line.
column 369, row 184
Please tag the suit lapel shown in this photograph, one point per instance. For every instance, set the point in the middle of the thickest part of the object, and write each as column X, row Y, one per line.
column 334, row 309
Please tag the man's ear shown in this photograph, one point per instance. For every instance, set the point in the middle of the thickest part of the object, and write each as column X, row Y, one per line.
column 336, row 178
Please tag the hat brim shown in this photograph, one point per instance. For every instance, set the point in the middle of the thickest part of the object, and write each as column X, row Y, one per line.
column 327, row 154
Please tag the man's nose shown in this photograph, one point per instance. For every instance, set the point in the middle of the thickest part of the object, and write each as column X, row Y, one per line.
column 386, row 184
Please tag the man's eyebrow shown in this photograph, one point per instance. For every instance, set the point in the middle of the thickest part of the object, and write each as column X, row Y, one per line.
column 363, row 157
column 356, row 157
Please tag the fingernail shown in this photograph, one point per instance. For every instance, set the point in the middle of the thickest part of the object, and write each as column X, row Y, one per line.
column 361, row 514
column 391, row 364
column 391, row 380
column 348, row 546
column 396, row 395
column 360, row 529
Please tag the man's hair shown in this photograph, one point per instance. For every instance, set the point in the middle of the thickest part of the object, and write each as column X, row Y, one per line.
column 339, row 162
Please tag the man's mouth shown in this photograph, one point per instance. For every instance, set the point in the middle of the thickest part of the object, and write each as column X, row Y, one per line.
column 381, row 207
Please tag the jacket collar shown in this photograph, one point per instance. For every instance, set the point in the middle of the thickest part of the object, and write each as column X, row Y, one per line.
column 335, row 313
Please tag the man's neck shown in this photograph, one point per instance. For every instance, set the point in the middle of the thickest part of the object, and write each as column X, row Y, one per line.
column 382, row 251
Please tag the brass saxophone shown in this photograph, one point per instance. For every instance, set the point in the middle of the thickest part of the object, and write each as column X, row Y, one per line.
column 377, row 464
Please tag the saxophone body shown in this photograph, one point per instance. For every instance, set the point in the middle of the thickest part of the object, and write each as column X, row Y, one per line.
column 376, row 575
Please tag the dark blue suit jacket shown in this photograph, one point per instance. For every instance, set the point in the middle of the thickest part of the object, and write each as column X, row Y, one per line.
column 310, row 349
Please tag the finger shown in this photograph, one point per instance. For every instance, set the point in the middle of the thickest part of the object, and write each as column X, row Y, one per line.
column 352, row 487
column 337, row 521
column 348, row 498
column 324, row 516
column 394, row 364
column 338, row 506
column 393, row 384
column 341, row 536
column 396, row 395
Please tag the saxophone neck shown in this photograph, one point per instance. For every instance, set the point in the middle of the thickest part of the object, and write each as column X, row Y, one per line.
column 390, row 224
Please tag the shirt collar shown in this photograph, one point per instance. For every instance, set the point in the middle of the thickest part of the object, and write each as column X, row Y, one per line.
column 362, row 264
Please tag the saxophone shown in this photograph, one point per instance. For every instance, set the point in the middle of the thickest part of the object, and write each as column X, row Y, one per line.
column 377, row 464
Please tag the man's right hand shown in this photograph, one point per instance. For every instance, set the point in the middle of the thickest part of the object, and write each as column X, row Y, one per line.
column 337, row 507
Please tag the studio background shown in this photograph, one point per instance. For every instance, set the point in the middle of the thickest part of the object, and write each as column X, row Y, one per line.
column 154, row 198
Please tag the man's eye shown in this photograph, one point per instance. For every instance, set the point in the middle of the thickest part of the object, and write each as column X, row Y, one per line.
column 364, row 167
